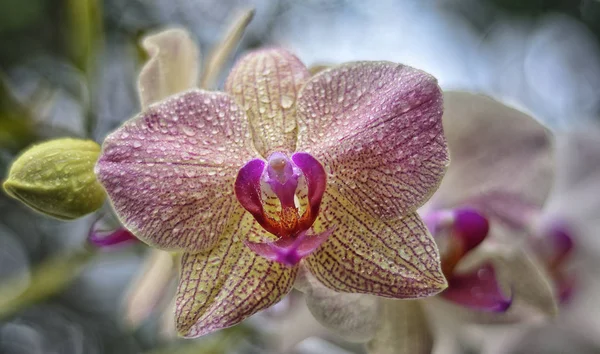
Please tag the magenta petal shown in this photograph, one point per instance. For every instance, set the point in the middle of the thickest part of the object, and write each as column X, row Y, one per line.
column 316, row 178
column 478, row 290
column 247, row 186
column 471, row 226
column 120, row 236
column 289, row 251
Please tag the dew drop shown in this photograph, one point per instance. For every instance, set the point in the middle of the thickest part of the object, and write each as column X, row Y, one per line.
column 188, row 131
column 286, row 102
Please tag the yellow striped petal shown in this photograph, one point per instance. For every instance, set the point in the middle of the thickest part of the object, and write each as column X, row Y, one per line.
column 265, row 82
column 221, row 287
column 396, row 258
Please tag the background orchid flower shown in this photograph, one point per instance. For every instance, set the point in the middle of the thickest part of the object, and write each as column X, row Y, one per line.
column 489, row 279
column 564, row 237
column 351, row 153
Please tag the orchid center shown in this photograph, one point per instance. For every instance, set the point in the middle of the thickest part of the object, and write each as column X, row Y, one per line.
column 284, row 194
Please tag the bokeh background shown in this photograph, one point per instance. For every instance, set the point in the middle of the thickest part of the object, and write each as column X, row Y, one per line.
column 68, row 68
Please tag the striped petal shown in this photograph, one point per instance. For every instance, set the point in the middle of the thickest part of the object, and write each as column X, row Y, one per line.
column 173, row 66
column 221, row 287
column 376, row 127
column 493, row 147
column 396, row 259
column 169, row 172
column 405, row 330
column 265, row 82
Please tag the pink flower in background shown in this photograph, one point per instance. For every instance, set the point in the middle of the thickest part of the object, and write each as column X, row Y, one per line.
column 283, row 168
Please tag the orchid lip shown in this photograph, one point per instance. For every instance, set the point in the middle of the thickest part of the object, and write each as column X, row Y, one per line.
column 284, row 196
column 289, row 251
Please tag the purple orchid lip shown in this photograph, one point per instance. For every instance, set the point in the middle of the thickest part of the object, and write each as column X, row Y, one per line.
column 281, row 177
column 104, row 239
column 478, row 290
column 290, row 251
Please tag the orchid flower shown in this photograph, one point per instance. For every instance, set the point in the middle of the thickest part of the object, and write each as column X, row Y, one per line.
column 283, row 169
column 564, row 237
column 494, row 150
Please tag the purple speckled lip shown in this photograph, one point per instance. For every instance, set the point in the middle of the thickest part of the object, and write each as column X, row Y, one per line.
column 281, row 176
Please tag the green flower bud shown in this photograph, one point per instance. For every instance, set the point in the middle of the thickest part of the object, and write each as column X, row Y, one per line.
column 57, row 178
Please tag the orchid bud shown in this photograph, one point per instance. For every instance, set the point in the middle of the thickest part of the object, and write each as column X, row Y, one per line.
column 57, row 178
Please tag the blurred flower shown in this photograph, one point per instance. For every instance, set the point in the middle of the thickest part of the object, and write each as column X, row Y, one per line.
column 369, row 151
column 494, row 149
column 564, row 237
column 57, row 178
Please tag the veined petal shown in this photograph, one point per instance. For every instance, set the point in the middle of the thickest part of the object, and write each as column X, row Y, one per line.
column 396, row 259
column 376, row 127
column 265, row 82
column 172, row 67
column 169, row 172
column 478, row 290
column 493, row 147
column 221, row 287
column 354, row 317
column 405, row 330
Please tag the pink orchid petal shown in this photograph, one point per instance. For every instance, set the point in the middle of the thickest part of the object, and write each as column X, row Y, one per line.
column 478, row 290
column 396, row 258
column 471, row 227
column 169, row 172
column 376, row 127
column 493, row 148
column 247, row 190
column 265, row 83
column 222, row 286
column 120, row 236
column 316, row 179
